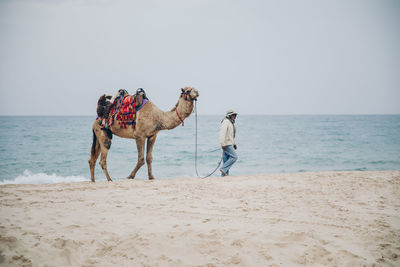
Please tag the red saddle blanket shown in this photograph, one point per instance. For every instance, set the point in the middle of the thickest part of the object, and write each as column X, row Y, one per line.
column 124, row 111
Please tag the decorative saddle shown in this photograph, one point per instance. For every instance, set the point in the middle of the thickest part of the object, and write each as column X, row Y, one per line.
column 124, row 110
column 121, row 108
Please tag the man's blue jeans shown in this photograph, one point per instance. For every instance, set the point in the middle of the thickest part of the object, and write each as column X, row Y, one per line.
column 229, row 158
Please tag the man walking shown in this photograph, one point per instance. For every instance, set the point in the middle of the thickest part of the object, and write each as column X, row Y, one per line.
column 227, row 140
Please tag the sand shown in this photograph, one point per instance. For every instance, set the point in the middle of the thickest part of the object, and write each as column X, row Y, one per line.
column 310, row 219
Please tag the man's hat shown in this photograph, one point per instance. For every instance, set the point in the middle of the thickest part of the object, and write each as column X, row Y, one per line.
column 230, row 113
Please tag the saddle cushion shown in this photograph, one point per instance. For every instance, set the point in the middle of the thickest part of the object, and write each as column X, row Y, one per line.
column 124, row 110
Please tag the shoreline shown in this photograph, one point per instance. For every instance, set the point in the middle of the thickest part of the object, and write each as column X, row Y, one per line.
column 141, row 179
column 290, row 219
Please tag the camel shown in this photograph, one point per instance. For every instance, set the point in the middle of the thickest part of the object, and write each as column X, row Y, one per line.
column 149, row 121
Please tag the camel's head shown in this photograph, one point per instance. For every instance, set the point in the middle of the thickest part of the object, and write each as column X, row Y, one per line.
column 190, row 93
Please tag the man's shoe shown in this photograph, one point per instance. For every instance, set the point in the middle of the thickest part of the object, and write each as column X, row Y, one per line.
column 223, row 173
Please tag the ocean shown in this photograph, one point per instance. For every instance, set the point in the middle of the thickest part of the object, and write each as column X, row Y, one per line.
column 38, row 150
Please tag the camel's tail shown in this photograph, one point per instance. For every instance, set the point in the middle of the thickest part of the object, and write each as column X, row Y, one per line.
column 94, row 143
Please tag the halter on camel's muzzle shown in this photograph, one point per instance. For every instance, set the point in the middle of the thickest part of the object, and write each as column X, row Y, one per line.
column 187, row 96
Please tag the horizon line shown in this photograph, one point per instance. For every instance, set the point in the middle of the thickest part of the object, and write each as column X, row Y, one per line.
column 282, row 114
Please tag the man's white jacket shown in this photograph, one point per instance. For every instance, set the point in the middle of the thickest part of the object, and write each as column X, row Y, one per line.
column 227, row 133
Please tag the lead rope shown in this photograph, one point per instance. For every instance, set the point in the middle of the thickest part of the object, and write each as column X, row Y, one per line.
column 195, row 151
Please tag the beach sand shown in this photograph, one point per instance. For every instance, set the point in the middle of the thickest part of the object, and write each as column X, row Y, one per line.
column 311, row 219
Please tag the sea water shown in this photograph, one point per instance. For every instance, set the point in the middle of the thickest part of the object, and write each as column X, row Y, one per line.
column 57, row 149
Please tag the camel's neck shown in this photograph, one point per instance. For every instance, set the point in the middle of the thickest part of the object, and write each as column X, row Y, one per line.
column 170, row 120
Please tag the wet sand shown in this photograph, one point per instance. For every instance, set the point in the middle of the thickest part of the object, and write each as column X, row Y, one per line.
column 310, row 219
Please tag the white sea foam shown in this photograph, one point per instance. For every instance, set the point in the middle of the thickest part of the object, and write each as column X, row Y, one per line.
column 42, row 178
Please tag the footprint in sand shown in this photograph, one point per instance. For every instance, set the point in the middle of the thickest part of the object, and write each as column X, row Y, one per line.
column 21, row 260
column 237, row 243
column 73, row 226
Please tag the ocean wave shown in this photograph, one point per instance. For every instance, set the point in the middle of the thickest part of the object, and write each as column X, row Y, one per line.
column 42, row 178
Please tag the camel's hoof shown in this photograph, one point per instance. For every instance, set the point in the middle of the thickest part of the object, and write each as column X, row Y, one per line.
column 151, row 178
column 130, row 178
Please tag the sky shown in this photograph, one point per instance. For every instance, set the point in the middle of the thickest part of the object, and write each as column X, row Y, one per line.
column 256, row 57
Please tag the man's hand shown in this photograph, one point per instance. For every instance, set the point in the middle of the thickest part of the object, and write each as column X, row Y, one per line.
column 235, row 147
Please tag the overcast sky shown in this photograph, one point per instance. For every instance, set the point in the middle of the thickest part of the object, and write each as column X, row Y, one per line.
column 257, row 57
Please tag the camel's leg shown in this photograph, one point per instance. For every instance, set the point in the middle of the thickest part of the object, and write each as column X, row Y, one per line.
column 140, row 162
column 105, row 143
column 94, row 154
column 103, row 161
column 149, row 157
